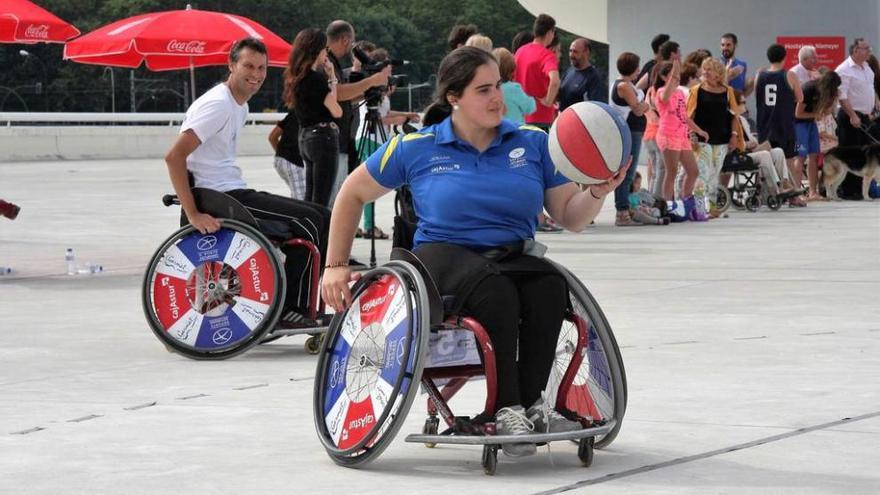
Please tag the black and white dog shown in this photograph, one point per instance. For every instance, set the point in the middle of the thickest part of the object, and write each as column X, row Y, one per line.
column 863, row 161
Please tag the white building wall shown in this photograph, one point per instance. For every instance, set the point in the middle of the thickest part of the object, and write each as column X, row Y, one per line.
column 700, row 24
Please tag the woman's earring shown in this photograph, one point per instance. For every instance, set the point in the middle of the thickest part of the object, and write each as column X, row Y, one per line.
column 455, row 106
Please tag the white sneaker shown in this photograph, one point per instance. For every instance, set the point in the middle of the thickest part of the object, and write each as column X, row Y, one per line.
column 513, row 421
column 547, row 420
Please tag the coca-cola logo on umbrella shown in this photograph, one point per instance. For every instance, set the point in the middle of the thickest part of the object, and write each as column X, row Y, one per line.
column 187, row 46
column 37, row 31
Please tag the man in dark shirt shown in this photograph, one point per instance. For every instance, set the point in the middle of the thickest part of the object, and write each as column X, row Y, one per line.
column 645, row 73
column 582, row 81
column 340, row 39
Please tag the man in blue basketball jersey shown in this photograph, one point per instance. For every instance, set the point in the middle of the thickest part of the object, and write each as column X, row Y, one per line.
column 777, row 92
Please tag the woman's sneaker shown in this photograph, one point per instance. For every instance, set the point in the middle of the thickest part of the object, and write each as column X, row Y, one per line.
column 547, row 420
column 513, row 421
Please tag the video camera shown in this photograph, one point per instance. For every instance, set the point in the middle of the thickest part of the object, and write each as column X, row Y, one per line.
column 373, row 96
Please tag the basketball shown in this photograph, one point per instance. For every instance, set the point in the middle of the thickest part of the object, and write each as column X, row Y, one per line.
column 589, row 142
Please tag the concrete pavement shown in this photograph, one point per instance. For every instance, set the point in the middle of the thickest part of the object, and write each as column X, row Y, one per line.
column 747, row 342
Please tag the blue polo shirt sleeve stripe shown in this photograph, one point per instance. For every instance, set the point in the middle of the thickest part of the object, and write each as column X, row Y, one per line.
column 385, row 166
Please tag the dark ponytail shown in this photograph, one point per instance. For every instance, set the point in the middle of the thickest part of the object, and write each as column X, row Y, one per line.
column 457, row 70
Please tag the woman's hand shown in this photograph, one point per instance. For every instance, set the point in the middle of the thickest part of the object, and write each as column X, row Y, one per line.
column 329, row 70
column 703, row 134
column 604, row 188
column 335, row 291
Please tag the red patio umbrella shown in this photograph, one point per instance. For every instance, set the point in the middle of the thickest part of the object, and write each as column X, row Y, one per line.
column 173, row 40
column 23, row 22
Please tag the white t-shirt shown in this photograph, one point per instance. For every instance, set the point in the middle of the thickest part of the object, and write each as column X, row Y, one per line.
column 217, row 119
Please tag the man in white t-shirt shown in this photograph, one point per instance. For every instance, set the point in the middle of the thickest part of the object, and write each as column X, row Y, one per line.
column 206, row 149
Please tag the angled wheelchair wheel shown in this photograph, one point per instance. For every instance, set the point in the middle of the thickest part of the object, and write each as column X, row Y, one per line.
column 213, row 296
column 598, row 390
column 370, row 365
column 722, row 199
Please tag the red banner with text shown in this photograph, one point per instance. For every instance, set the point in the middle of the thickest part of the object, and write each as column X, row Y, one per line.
column 831, row 50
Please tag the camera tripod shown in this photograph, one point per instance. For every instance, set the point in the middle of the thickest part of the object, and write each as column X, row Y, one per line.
column 370, row 138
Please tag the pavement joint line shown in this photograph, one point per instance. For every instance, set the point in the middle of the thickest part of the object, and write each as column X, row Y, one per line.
column 305, row 378
column 818, row 333
column 85, row 418
column 751, row 338
column 681, row 342
column 149, row 404
column 248, row 387
column 708, row 454
column 197, row 396
column 28, row 431
column 140, row 406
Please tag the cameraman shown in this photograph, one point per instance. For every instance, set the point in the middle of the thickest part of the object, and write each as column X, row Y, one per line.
column 368, row 143
column 340, row 39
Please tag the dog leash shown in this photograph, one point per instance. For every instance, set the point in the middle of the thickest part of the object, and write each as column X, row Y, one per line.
column 866, row 131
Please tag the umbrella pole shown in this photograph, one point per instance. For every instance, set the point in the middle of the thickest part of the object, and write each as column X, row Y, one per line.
column 192, row 80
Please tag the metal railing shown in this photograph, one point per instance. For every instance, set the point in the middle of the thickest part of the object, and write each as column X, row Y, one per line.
column 8, row 119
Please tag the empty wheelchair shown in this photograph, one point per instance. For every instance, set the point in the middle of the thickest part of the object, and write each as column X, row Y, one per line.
column 396, row 336
column 749, row 190
column 213, row 296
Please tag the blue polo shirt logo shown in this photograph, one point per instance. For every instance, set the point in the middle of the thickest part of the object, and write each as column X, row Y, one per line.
column 517, row 158
column 439, row 169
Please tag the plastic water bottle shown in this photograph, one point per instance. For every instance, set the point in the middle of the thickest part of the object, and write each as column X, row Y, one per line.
column 70, row 259
column 90, row 269
column 5, row 270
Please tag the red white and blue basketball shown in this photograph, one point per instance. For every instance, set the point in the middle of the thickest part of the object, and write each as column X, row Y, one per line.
column 589, row 142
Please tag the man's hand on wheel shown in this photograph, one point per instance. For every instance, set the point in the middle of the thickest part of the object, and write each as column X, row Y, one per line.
column 204, row 223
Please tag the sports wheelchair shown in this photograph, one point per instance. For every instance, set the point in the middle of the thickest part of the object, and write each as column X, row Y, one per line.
column 398, row 334
column 749, row 189
column 214, row 296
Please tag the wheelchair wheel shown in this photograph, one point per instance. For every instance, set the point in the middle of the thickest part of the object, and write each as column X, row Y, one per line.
column 216, row 295
column 773, row 202
column 599, row 389
column 370, row 365
column 722, row 199
column 753, row 203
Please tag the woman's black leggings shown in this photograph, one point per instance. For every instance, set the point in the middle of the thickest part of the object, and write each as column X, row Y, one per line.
column 525, row 309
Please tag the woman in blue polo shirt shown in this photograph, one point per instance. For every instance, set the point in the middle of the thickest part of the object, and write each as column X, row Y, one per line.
column 478, row 183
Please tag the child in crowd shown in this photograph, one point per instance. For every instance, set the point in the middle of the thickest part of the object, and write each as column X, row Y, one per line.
column 672, row 139
column 645, row 208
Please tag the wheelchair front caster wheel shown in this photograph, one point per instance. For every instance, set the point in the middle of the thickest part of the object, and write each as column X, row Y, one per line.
column 431, row 426
column 585, row 451
column 773, row 202
column 313, row 344
column 490, row 459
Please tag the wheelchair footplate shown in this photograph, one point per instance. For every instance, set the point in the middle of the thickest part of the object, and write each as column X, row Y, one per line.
column 475, row 439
